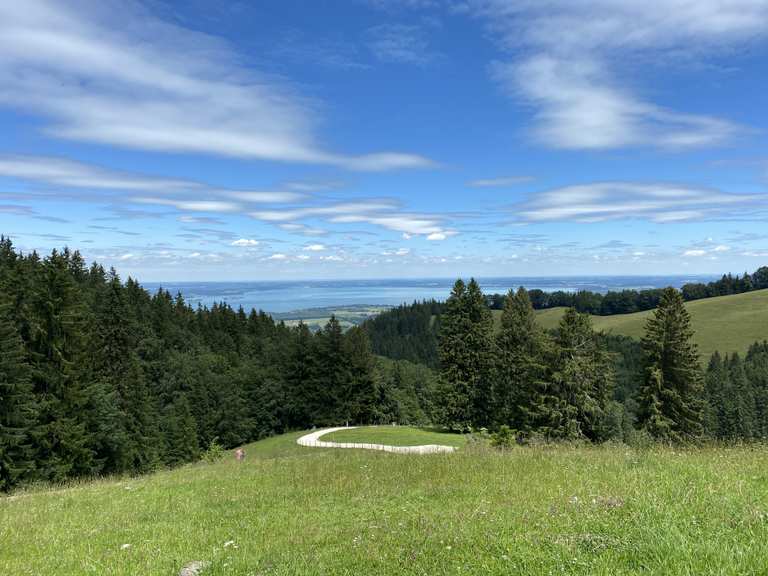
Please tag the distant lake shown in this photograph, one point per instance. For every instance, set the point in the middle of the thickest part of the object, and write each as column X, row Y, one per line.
column 299, row 295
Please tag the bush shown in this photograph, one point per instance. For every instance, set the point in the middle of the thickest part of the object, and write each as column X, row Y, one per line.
column 505, row 437
column 214, row 452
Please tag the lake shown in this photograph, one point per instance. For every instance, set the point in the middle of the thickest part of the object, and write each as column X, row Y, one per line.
column 287, row 296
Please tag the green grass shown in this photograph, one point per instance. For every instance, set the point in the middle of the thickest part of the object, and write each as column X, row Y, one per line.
column 395, row 436
column 726, row 323
column 294, row 510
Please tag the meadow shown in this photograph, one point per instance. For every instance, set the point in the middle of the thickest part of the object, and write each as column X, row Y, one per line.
column 566, row 509
column 725, row 323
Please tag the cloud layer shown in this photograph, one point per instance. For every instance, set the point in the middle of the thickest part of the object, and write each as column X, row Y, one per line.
column 109, row 72
column 569, row 55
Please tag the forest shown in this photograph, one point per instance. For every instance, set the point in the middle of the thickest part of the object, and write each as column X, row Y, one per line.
column 100, row 377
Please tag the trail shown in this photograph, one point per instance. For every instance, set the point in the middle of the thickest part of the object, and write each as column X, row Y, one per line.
column 312, row 440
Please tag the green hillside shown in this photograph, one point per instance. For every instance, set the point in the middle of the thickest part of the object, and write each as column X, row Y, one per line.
column 290, row 510
column 725, row 323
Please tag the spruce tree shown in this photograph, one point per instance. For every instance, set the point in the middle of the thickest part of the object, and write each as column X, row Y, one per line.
column 520, row 380
column 363, row 390
column 465, row 348
column 584, row 380
column 59, row 361
column 671, row 398
column 17, row 406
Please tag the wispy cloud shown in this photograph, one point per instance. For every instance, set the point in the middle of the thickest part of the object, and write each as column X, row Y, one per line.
column 111, row 72
column 246, row 242
column 399, row 43
column 657, row 202
column 567, row 55
column 503, row 182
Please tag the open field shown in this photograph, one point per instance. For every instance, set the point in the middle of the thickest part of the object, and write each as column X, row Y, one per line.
column 293, row 510
column 726, row 323
column 317, row 318
column 395, row 436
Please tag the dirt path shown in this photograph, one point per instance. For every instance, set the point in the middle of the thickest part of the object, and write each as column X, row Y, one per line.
column 313, row 440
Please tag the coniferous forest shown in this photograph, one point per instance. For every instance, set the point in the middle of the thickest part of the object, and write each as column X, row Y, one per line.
column 98, row 376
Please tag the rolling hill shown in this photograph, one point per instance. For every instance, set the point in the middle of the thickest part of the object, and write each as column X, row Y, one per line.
column 288, row 509
column 726, row 323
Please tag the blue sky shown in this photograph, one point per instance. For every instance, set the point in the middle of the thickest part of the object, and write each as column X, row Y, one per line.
column 387, row 138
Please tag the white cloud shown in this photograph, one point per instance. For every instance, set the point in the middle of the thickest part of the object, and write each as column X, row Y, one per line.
column 499, row 182
column 658, row 202
column 695, row 253
column 277, row 257
column 245, row 242
column 399, row 43
column 315, row 247
column 721, row 248
column 332, row 258
column 191, row 205
column 110, row 72
column 567, row 54
column 302, row 257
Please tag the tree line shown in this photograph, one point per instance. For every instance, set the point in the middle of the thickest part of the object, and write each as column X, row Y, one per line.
column 576, row 384
column 409, row 331
column 630, row 301
column 98, row 376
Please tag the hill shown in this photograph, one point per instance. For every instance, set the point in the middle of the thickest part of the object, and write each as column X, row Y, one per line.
column 293, row 510
column 725, row 323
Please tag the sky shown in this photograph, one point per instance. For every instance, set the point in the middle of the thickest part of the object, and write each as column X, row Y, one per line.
column 193, row 140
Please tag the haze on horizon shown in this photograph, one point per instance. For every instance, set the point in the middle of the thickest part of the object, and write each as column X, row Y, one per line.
column 387, row 138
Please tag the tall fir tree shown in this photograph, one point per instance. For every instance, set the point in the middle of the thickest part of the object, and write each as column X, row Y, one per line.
column 18, row 414
column 58, row 354
column 671, row 398
column 465, row 349
column 521, row 390
column 584, row 380
column 364, row 391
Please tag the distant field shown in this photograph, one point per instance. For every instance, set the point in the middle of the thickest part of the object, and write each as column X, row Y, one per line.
column 317, row 318
column 727, row 323
column 395, row 436
column 288, row 510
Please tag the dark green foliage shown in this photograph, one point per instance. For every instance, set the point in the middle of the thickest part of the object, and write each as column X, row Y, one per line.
column 583, row 378
column 522, row 377
column 408, row 332
column 737, row 395
column 465, row 358
column 671, row 398
column 17, row 407
column 98, row 376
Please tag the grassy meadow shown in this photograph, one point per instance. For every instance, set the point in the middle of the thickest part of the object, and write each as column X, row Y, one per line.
column 726, row 323
column 597, row 510
column 395, row 436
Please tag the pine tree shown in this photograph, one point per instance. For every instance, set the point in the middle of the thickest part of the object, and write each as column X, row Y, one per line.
column 744, row 399
column 180, row 432
column 333, row 375
column 715, row 388
column 58, row 353
column 17, row 406
column 583, row 378
column 671, row 403
column 364, row 390
column 465, row 348
column 520, row 382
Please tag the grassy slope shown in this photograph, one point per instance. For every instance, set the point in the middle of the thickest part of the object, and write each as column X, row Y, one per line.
column 293, row 510
column 726, row 323
column 395, row 436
